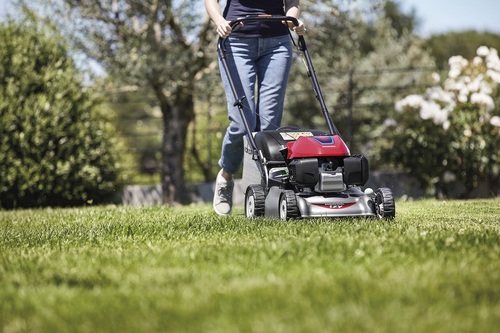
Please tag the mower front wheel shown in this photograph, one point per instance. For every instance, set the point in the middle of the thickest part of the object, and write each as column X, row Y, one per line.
column 288, row 208
column 385, row 207
column 255, row 201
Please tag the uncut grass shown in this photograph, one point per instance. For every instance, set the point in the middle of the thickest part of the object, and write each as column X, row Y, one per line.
column 434, row 268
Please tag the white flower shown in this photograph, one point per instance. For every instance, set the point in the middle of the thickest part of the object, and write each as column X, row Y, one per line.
column 483, row 100
column 432, row 110
column 446, row 125
column 465, row 91
column 454, row 72
column 485, row 88
column 457, row 65
column 390, row 123
column 495, row 121
column 455, row 84
column 458, row 61
column 428, row 109
column 440, row 95
column 436, row 78
column 492, row 60
column 494, row 75
column 477, row 61
column 410, row 101
column 483, row 51
column 440, row 117
column 463, row 98
column 475, row 85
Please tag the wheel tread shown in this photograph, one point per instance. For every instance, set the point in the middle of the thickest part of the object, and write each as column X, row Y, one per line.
column 291, row 204
column 385, row 197
column 259, row 199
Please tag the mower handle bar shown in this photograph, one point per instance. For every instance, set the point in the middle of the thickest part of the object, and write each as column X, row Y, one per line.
column 257, row 18
column 263, row 17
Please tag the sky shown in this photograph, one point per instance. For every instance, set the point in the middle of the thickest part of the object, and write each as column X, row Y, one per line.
column 437, row 16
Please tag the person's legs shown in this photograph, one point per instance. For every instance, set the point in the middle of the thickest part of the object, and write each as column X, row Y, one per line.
column 240, row 60
column 273, row 69
column 267, row 60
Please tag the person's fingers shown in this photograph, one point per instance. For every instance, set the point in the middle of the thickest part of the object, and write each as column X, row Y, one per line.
column 299, row 29
column 224, row 30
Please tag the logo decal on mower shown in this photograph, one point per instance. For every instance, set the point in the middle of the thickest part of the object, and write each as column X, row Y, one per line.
column 325, row 140
column 336, row 206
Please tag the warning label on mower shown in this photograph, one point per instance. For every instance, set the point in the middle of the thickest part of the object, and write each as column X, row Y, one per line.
column 288, row 136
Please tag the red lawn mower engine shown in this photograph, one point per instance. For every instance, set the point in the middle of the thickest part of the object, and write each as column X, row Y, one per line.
column 323, row 164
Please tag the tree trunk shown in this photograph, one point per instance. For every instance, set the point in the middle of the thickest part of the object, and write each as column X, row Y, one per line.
column 176, row 119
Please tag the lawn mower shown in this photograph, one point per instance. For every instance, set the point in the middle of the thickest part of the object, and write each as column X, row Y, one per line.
column 300, row 173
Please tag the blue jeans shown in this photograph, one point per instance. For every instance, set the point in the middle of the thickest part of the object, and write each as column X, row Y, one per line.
column 260, row 68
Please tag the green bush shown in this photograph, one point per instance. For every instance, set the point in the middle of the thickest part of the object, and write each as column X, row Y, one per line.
column 55, row 148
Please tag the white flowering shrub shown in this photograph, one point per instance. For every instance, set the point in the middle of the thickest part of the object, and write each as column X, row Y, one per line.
column 452, row 131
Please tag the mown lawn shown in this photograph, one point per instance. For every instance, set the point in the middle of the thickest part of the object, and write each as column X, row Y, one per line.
column 435, row 268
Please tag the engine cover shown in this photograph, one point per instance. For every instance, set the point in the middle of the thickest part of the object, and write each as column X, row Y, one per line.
column 317, row 146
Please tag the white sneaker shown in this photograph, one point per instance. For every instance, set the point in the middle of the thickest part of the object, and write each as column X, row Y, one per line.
column 223, row 195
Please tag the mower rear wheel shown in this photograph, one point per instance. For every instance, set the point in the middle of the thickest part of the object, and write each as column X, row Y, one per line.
column 255, row 201
column 385, row 207
column 288, row 208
